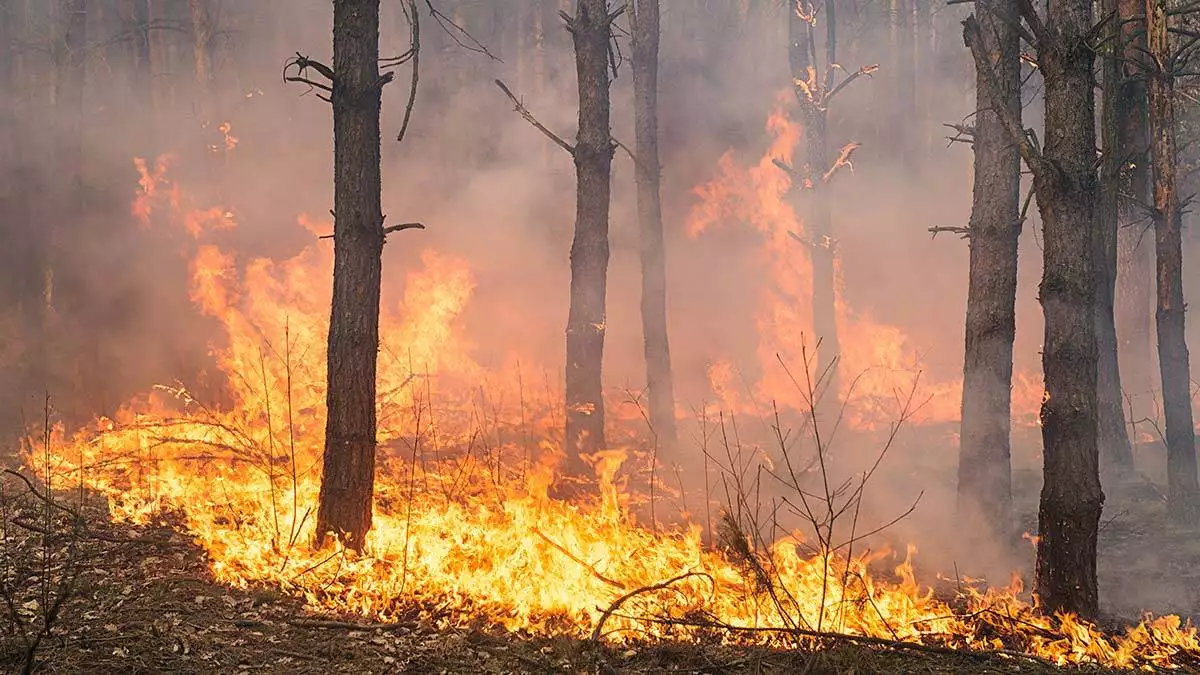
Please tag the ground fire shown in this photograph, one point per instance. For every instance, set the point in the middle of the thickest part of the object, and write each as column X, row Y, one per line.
column 362, row 420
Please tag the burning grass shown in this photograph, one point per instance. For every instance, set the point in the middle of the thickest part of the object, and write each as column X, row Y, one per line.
column 465, row 530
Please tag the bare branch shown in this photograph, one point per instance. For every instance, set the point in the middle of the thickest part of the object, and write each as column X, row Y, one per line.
column 865, row 70
column 973, row 36
column 524, row 112
column 415, row 50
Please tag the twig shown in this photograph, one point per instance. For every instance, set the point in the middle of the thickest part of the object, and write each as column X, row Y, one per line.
column 597, row 631
column 524, row 112
column 347, row 625
column 591, row 568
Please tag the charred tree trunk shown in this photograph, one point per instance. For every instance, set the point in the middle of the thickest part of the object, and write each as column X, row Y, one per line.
column 1116, row 455
column 593, row 153
column 1064, row 180
column 1183, row 490
column 984, row 462
column 347, row 485
column 649, row 200
column 1135, row 251
column 1071, row 500
column 815, row 116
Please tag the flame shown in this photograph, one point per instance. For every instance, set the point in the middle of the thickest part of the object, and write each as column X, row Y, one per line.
column 464, row 528
column 880, row 367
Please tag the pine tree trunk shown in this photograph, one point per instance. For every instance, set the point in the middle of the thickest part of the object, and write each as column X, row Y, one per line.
column 1135, row 249
column 649, row 200
column 1071, row 499
column 984, row 463
column 1183, row 490
column 138, row 12
column 347, row 485
column 814, row 117
column 1116, row 455
column 593, row 155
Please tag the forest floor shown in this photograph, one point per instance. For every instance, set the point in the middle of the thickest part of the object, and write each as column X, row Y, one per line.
column 144, row 601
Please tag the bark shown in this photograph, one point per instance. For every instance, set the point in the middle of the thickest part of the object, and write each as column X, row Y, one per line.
column 1183, row 490
column 202, row 39
column 815, row 116
column 1116, row 455
column 347, row 485
column 137, row 15
column 593, row 153
column 1071, row 499
column 984, row 463
column 649, row 204
column 1135, row 249
column 1064, row 180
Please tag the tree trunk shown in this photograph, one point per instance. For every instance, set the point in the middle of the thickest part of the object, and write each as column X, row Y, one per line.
column 1135, row 250
column 590, row 30
column 984, row 462
column 1116, row 455
column 62, row 294
column 202, row 38
column 1183, row 490
column 347, row 485
column 815, row 115
column 649, row 204
column 1071, row 499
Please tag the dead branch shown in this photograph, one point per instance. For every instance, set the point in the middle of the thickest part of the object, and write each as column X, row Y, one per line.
column 590, row 567
column 973, row 36
column 963, row 232
column 403, row 226
column 302, row 64
column 843, row 160
column 597, row 631
column 346, row 625
column 415, row 50
column 524, row 112
column 865, row 70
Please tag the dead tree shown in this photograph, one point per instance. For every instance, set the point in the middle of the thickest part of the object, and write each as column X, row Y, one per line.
column 645, row 20
column 815, row 89
column 984, row 459
column 354, row 86
column 1064, row 181
column 1116, row 455
column 1183, row 488
column 591, row 31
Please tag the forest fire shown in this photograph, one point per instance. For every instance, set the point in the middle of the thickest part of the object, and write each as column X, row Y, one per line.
column 464, row 529
column 882, row 366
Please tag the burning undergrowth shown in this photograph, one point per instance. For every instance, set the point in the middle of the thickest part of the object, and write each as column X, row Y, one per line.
column 464, row 518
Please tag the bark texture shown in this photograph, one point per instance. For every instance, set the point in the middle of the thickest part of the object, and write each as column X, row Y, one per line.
column 1071, row 499
column 1116, row 455
column 347, row 485
column 202, row 37
column 1135, row 245
column 984, row 463
column 650, row 224
column 1064, row 180
column 1183, row 490
column 815, row 117
column 593, row 153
